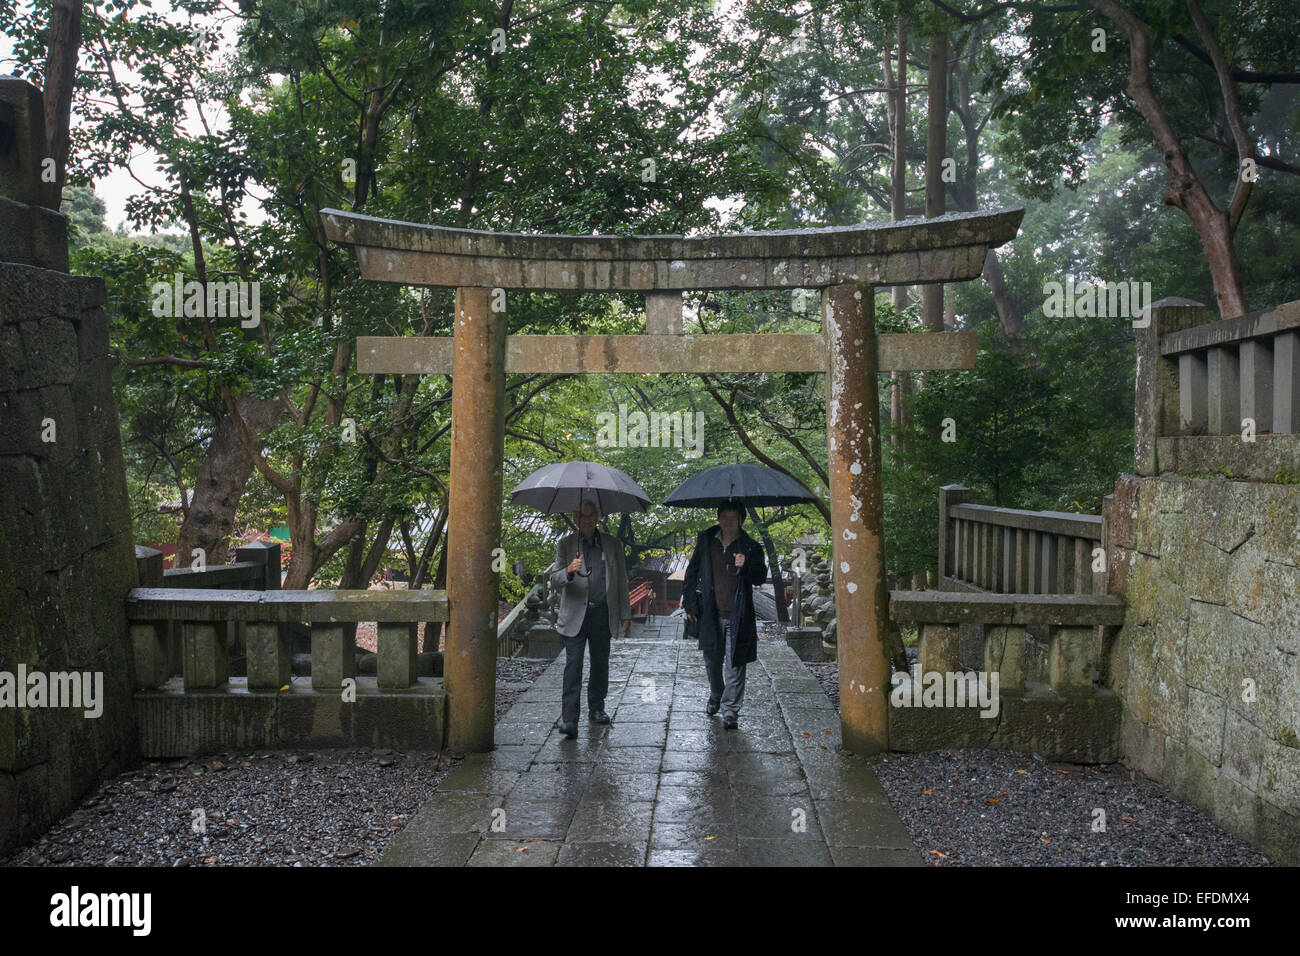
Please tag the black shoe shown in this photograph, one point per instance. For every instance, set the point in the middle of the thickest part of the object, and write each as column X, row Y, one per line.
column 598, row 717
column 729, row 723
column 570, row 731
column 712, row 708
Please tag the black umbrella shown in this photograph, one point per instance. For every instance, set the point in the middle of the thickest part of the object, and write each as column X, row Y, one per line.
column 750, row 484
column 562, row 488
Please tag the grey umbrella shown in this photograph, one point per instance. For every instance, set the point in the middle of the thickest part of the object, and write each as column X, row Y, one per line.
column 752, row 485
column 563, row 487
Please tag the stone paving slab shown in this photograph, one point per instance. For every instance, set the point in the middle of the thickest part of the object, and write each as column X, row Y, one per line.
column 665, row 784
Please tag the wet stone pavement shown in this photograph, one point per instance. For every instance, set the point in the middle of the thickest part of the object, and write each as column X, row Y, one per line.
column 665, row 784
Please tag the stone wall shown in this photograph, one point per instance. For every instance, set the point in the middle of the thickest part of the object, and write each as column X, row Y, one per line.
column 1208, row 660
column 66, row 554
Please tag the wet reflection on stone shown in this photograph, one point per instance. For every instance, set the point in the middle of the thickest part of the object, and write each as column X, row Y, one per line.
column 664, row 784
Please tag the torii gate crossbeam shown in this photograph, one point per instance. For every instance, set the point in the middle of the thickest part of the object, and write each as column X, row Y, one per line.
column 846, row 263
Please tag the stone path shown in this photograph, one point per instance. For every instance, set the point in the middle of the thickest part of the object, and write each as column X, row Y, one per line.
column 665, row 784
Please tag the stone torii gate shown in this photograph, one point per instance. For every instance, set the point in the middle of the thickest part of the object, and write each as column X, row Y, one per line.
column 844, row 262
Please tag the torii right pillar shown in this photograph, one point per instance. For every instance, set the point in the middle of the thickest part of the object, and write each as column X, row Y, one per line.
column 857, row 515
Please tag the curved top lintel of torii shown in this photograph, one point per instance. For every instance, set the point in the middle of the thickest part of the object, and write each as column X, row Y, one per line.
column 948, row 248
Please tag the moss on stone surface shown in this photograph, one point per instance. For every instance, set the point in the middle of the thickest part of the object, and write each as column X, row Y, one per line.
column 1214, row 602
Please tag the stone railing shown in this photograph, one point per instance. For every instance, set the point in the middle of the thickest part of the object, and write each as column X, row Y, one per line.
column 202, row 615
column 1218, row 397
column 209, row 711
column 1070, row 620
column 256, row 568
column 1060, row 707
column 1009, row 551
column 512, row 632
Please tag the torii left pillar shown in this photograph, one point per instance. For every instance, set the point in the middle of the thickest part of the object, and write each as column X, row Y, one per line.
column 474, row 519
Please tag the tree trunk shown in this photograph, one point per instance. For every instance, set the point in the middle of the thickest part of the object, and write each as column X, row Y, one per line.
column 227, row 466
column 362, row 563
column 302, row 534
column 901, row 389
column 898, row 176
column 965, row 194
column 936, row 149
column 1214, row 227
column 60, row 75
column 1008, row 314
column 434, row 630
column 421, row 569
column 901, row 386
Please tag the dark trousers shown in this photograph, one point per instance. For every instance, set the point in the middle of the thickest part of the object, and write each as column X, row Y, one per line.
column 726, row 683
column 594, row 631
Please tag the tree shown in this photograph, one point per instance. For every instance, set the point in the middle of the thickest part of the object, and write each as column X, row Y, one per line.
column 1181, row 87
column 85, row 213
column 60, row 70
column 328, row 106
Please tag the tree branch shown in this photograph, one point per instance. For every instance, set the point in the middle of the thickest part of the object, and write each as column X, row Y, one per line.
column 1238, row 74
column 161, row 360
column 1232, row 109
column 728, row 409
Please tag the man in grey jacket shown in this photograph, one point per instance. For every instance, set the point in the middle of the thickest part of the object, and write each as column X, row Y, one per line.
column 591, row 576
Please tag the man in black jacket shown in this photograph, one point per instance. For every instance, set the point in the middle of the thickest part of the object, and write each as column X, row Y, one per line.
column 718, row 597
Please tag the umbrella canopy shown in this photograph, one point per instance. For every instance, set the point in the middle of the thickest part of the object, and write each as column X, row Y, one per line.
column 750, row 484
column 563, row 487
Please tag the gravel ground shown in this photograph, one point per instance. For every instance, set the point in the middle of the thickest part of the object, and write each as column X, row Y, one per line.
column 514, row 676
column 828, row 675
column 996, row 808
column 281, row 808
column 317, row 808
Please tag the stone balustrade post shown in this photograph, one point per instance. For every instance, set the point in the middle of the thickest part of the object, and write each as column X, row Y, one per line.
column 1159, row 380
column 267, row 645
column 1286, row 384
column 1004, row 654
column 149, row 638
column 1255, row 359
column 332, row 658
column 1223, row 396
column 269, row 655
column 267, row 554
column 395, row 656
column 1101, row 579
column 1072, row 657
column 949, row 495
column 205, row 657
column 940, row 649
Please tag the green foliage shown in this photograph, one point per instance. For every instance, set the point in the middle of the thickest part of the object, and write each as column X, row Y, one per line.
column 772, row 119
column 85, row 212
